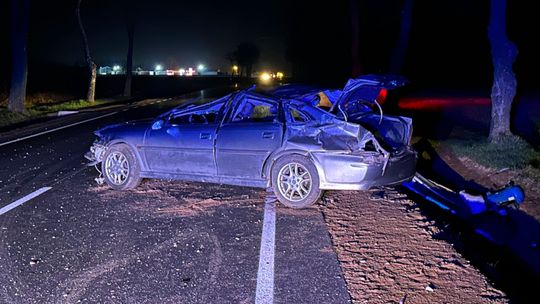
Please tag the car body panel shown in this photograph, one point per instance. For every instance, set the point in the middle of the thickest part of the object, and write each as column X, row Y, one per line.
column 362, row 171
column 235, row 158
column 181, row 149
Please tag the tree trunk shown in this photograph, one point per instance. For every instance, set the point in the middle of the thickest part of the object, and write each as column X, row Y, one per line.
column 129, row 59
column 249, row 69
column 19, row 70
column 355, row 39
column 91, row 93
column 398, row 56
column 503, row 55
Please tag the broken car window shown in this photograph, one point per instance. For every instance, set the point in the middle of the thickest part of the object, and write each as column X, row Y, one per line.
column 298, row 116
column 179, row 120
column 253, row 110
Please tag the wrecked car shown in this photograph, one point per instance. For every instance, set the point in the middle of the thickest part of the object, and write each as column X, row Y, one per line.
column 298, row 140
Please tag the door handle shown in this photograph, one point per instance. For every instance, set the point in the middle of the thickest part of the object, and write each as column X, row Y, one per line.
column 269, row 135
column 206, row 136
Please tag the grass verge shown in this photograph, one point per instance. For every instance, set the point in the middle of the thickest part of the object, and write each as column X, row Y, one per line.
column 513, row 153
column 9, row 118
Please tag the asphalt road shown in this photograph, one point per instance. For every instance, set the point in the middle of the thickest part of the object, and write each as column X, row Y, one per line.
column 164, row 242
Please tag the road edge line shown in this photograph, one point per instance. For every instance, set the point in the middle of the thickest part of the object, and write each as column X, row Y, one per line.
column 24, row 199
column 55, row 129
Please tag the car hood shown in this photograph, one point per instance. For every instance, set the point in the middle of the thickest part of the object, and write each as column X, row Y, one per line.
column 125, row 127
column 367, row 87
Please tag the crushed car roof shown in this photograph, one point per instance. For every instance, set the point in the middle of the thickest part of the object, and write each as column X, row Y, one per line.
column 367, row 87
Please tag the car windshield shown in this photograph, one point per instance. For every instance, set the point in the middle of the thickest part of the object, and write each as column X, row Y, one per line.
column 203, row 114
column 193, row 105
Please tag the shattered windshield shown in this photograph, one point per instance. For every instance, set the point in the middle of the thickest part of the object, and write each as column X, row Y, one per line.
column 194, row 104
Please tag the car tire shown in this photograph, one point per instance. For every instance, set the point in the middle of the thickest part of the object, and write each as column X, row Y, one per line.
column 295, row 181
column 120, row 168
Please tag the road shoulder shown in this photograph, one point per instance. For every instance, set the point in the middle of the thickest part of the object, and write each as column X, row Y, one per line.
column 389, row 253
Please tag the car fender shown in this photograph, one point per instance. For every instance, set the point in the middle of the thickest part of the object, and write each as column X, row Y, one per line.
column 132, row 147
column 267, row 167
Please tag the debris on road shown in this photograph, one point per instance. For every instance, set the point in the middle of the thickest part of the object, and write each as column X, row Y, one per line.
column 34, row 261
column 99, row 180
column 185, row 199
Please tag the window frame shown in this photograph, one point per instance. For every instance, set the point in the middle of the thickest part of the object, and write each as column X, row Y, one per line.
column 290, row 118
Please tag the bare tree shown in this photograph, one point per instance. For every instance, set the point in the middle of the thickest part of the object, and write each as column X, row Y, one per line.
column 129, row 58
column 355, row 38
column 247, row 54
column 503, row 55
column 398, row 55
column 19, row 37
column 91, row 93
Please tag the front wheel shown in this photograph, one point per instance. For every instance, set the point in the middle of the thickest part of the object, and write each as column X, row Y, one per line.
column 120, row 168
column 295, row 181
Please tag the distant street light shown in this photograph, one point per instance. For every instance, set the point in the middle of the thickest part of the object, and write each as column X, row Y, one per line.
column 116, row 68
column 235, row 69
column 265, row 77
column 158, row 67
column 190, row 71
column 201, row 68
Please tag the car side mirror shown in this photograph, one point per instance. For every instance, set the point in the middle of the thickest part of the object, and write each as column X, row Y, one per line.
column 158, row 124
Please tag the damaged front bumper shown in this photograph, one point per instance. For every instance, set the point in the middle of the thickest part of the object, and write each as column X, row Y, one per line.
column 96, row 154
column 347, row 171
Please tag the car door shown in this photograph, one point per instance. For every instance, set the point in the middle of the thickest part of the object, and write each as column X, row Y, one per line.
column 184, row 144
column 250, row 134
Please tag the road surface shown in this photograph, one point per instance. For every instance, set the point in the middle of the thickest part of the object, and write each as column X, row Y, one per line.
column 64, row 239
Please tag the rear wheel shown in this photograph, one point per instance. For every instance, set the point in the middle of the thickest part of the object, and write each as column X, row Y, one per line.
column 120, row 168
column 295, row 181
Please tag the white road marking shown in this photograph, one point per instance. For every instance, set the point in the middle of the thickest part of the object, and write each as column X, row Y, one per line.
column 265, row 274
column 63, row 113
column 56, row 129
column 23, row 200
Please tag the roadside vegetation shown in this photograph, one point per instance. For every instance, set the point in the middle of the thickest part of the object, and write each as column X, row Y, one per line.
column 510, row 153
column 40, row 108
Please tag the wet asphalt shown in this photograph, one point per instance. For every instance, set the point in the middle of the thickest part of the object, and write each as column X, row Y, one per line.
column 74, row 244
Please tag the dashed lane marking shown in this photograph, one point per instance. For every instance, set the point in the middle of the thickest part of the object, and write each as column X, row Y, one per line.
column 265, row 274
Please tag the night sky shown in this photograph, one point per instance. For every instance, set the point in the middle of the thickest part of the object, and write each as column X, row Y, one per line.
column 448, row 42
column 173, row 33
